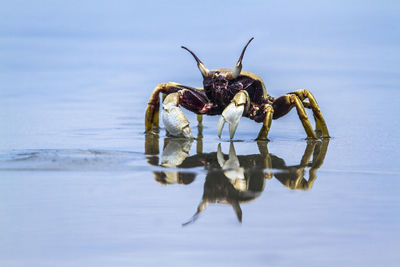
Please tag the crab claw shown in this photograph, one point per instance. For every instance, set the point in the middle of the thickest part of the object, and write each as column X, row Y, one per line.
column 173, row 118
column 233, row 112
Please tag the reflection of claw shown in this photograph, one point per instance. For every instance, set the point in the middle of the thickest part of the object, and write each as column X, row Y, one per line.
column 173, row 155
column 175, row 152
column 232, row 162
column 231, row 167
column 174, row 120
column 233, row 112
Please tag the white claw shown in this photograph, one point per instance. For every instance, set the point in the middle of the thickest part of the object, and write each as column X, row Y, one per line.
column 173, row 118
column 187, row 132
column 231, row 114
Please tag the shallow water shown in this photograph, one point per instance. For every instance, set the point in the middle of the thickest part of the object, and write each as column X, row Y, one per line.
column 82, row 185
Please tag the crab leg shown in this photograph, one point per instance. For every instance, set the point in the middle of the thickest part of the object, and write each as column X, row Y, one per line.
column 303, row 116
column 199, row 143
column 233, row 112
column 282, row 105
column 174, row 120
column 320, row 124
column 268, row 111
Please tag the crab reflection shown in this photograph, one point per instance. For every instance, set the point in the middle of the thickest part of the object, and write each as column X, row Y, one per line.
column 232, row 179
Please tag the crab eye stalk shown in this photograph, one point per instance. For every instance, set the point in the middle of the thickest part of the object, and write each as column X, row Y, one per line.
column 204, row 71
column 238, row 66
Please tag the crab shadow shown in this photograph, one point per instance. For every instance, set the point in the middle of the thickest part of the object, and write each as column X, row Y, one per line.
column 230, row 178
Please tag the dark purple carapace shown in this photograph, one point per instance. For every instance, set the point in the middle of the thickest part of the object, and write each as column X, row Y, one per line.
column 220, row 90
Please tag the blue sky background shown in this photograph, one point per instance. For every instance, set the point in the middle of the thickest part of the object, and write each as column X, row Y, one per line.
column 131, row 35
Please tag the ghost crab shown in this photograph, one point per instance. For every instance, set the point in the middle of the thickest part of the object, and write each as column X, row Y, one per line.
column 231, row 94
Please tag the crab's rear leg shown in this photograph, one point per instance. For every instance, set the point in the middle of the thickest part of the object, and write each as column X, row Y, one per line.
column 320, row 124
column 282, row 105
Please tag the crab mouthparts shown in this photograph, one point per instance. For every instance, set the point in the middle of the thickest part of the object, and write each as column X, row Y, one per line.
column 220, row 87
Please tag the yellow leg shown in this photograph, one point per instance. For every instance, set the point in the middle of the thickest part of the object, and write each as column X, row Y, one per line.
column 303, row 116
column 320, row 124
column 153, row 109
column 199, row 143
column 152, row 116
column 269, row 111
column 200, row 125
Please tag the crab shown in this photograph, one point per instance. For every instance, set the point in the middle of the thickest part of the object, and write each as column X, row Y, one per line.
column 231, row 93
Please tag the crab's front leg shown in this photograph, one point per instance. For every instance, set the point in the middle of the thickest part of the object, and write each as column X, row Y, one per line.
column 233, row 112
column 191, row 98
